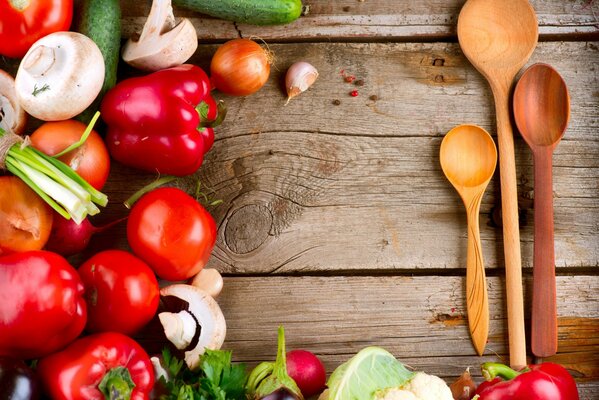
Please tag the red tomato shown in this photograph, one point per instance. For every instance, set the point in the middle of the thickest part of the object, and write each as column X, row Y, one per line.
column 90, row 160
column 172, row 232
column 121, row 291
column 24, row 22
column 25, row 219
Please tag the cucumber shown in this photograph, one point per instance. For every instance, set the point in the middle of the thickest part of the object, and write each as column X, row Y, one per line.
column 100, row 20
column 254, row 12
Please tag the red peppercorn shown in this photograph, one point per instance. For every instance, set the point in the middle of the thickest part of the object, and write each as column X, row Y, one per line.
column 353, row 93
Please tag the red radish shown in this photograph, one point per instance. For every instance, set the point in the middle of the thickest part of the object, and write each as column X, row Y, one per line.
column 68, row 238
column 307, row 371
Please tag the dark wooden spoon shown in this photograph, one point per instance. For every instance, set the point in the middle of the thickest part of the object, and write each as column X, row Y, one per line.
column 542, row 111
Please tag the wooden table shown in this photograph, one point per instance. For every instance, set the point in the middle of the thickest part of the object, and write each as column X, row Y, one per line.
column 337, row 221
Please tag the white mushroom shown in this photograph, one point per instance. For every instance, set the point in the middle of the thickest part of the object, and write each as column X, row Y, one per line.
column 12, row 115
column 60, row 76
column 205, row 311
column 209, row 280
column 162, row 43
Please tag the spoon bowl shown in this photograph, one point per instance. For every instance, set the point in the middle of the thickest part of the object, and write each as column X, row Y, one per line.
column 541, row 106
column 498, row 38
column 468, row 158
column 542, row 112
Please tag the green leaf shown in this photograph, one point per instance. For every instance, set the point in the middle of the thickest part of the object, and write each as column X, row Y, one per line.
column 233, row 381
column 372, row 369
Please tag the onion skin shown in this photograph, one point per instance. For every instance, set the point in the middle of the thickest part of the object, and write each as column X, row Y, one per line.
column 240, row 67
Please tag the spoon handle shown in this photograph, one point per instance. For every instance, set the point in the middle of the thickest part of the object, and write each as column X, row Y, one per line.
column 477, row 301
column 511, row 230
column 544, row 308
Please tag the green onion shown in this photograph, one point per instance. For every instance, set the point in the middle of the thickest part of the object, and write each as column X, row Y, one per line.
column 54, row 181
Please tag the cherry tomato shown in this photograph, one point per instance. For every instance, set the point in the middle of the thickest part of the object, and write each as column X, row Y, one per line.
column 121, row 292
column 90, row 160
column 172, row 232
column 25, row 219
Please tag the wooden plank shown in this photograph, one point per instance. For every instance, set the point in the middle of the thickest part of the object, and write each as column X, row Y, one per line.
column 421, row 320
column 367, row 20
column 316, row 187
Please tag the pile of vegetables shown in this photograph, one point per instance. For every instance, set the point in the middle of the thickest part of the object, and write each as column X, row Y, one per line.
column 76, row 327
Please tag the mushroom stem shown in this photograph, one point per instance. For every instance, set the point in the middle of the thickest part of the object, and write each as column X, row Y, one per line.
column 163, row 43
column 160, row 19
column 179, row 328
column 208, row 315
column 39, row 61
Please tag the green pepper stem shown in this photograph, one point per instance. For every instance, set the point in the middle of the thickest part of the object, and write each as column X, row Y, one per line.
column 491, row 370
column 117, row 384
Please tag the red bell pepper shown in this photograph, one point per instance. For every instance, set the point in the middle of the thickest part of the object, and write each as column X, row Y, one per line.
column 42, row 307
column 22, row 23
column 162, row 122
column 102, row 366
column 547, row 381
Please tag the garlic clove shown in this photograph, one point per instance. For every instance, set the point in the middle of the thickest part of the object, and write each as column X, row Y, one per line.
column 300, row 76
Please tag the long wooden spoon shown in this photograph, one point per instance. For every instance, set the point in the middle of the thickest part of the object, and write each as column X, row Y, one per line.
column 542, row 112
column 498, row 38
column 468, row 158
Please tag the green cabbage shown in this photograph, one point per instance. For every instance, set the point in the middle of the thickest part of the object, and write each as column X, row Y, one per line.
column 369, row 371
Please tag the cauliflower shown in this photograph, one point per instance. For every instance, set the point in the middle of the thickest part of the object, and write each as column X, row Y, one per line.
column 396, row 394
column 421, row 387
column 428, row 387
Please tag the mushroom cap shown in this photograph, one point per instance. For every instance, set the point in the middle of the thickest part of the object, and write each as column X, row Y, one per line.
column 60, row 76
column 209, row 316
column 12, row 115
column 169, row 49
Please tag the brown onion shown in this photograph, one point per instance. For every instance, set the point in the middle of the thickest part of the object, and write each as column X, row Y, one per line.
column 240, row 67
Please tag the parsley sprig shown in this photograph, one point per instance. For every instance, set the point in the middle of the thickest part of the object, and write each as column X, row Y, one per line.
column 216, row 379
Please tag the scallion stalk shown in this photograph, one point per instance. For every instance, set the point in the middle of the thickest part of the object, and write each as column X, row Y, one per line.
column 54, row 181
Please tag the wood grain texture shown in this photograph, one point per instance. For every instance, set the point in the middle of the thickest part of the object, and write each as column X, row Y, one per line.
column 316, row 187
column 377, row 19
column 421, row 320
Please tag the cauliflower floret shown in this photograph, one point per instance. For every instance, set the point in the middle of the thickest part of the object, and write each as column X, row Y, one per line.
column 428, row 387
column 396, row 394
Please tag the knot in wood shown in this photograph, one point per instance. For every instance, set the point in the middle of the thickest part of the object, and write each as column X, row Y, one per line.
column 248, row 228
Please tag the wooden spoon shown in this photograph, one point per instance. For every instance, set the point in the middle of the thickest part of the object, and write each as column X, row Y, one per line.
column 542, row 111
column 468, row 158
column 498, row 38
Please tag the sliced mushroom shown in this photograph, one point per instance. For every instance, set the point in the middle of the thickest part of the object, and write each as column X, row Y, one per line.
column 60, row 76
column 12, row 115
column 205, row 311
column 209, row 280
column 163, row 43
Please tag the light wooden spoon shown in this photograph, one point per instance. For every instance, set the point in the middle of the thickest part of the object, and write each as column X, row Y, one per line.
column 542, row 112
column 498, row 38
column 468, row 158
